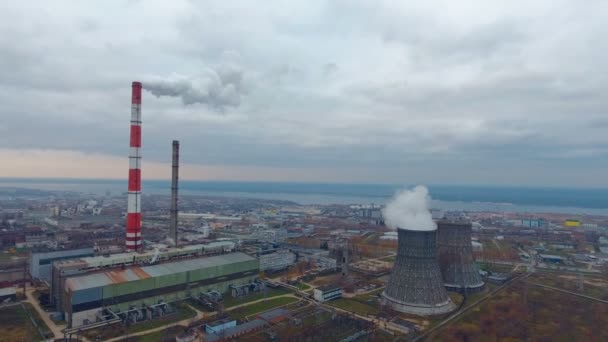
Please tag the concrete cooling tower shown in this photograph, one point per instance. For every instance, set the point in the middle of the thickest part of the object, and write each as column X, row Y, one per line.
column 415, row 285
column 459, row 270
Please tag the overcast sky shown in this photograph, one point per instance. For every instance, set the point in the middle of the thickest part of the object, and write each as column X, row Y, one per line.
column 441, row 92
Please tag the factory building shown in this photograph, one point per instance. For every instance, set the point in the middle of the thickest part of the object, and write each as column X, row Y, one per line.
column 327, row 293
column 63, row 269
column 276, row 260
column 41, row 262
column 142, row 292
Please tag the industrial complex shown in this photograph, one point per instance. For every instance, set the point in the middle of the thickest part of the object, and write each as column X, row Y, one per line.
column 455, row 252
column 416, row 284
column 143, row 292
column 210, row 268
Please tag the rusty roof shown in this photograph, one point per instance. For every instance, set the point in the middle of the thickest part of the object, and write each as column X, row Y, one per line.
column 134, row 273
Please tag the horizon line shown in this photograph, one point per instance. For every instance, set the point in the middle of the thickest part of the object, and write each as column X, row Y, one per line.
column 125, row 179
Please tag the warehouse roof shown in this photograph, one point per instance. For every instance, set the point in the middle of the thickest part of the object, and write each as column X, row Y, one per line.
column 122, row 257
column 133, row 273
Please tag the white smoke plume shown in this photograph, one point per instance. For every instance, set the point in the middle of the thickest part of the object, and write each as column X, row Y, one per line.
column 409, row 209
column 218, row 87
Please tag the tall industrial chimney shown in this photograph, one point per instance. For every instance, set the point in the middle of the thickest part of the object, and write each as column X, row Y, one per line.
column 133, row 241
column 174, row 179
column 415, row 285
column 459, row 270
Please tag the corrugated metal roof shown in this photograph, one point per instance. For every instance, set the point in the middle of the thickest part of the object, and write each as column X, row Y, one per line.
column 8, row 291
column 122, row 257
column 270, row 315
column 133, row 273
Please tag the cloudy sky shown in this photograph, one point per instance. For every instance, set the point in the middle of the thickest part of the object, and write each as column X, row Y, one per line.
column 442, row 92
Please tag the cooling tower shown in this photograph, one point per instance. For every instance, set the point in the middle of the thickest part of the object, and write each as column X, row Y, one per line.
column 459, row 270
column 415, row 285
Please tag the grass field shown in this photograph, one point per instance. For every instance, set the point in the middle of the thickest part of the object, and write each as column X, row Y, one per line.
column 354, row 306
column 255, row 308
column 15, row 325
column 4, row 257
column 270, row 292
column 158, row 336
column 370, row 295
column 591, row 285
column 303, row 287
column 390, row 258
column 34, row 314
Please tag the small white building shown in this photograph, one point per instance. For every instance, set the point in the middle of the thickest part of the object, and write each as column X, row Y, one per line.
column 477, row 246
column 326, row 293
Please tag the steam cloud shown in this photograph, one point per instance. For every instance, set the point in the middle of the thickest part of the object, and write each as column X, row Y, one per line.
column 218, row 87
column 409, row 209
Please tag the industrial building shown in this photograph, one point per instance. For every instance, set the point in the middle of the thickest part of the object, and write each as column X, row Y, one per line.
column 455, row 251
column 326, row 293
column 416, row 285
column 8, row 294
column 41, row 262
column 138, row 293
column 63, row 269
column 554, row 259
column 276, row 260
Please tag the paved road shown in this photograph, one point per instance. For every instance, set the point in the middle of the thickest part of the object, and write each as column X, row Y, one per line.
column 29, row 294
column 199, row 315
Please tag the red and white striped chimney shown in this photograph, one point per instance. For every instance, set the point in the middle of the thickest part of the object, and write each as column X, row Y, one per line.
column 134, row 195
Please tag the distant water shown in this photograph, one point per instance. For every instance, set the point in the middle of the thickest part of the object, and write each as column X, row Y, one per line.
column 488, row 198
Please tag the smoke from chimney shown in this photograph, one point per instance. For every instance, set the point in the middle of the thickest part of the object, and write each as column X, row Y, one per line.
column 219, row 87
column 409, row 209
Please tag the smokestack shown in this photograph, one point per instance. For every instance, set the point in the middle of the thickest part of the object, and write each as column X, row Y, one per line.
column 133, row 241
column 174, row 177
column 416, row 285
column 460, row 272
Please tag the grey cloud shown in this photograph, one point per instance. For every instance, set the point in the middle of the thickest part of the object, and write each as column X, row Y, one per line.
column 219, row 87
column 386, row 86
column 330, row 68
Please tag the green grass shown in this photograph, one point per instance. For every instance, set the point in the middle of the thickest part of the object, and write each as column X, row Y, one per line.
column 390, row 258
column 16, row 326
column 496, row 267
column 4, row 257
column 162, row 335
column 270, row 292
column 303, row 287
column 354, row 306
column 152, row 337
column 456, row 298
column 472, row 298
column 43, row 327
column 370, row 295
column 255, row 308
column 317, row 318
